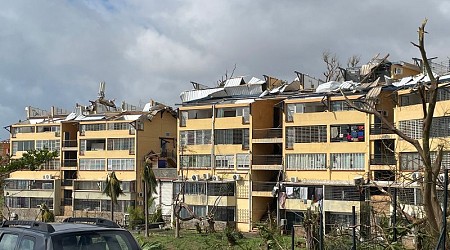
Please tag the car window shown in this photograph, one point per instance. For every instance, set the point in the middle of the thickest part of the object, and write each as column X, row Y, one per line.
column 97, row 240
column 8, row 241
column 27, row 243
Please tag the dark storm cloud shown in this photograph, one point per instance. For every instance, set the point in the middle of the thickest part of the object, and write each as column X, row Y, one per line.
column 55, row 53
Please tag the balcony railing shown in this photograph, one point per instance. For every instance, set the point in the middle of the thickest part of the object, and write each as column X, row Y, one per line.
column 383, row 159
column 66, row 183
column 267, row 133
column 379, row 129
column 263, row 186
column 70, row 144
column 70, row 163
column 267, row 160
column 67, row 202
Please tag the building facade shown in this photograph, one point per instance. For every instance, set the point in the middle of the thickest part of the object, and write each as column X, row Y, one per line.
column 90, row 144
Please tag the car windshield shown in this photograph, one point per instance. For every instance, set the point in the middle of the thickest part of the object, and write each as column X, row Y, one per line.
column 94, row 240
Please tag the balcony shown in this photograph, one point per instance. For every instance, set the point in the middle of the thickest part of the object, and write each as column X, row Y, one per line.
column 67, row 183
column 69, row 163
column 267, row 162
column 383, row 159
column 269, row 135
column 69, row 145
column 263, row 188
column 67, row 202
column 379, row 129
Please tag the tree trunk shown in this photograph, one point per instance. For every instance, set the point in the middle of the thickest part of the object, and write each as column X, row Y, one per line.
column 146, row 208
column 112, row 210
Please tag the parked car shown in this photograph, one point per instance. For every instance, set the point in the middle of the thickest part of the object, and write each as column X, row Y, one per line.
column 71, row 234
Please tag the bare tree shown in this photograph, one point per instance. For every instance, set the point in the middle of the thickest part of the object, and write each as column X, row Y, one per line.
column 353, row 61
column 225, row 77
column 332, row 72
column 427, row 92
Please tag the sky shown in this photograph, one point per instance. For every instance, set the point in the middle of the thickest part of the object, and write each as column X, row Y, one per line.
column 55, row 53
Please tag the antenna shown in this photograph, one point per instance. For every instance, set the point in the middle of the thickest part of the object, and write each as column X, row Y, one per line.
column 101, row 90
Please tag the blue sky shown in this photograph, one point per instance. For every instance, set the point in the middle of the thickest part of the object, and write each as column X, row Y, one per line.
column 55, row 53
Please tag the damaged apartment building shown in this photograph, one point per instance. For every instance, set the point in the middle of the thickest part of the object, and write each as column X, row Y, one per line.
column 91, row 142
column 253, row 147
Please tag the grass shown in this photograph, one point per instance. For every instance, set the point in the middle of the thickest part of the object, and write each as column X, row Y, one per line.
column 192, row 240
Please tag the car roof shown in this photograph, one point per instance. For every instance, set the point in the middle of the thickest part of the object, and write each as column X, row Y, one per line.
column 68, row 225
column 65, row 227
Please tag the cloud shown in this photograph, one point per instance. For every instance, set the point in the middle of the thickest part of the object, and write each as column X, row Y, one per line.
column 56, row 53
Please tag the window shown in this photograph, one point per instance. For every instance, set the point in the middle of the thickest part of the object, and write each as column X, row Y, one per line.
column 412, row 128
column 224, row 161
column 89, row 185
column 347, row 133
column 22, row 146
column 343, row 193
column 344, row 161
column 93, row 145
column 51, row 145
column 233, row 112
column 195, row 161
column 232, row 136
column 120, row 126
column 223, row 213
column 27, row 243
column 293, row 108
column 306, row 134
column 53, row 164
column 243, row 160
column 196, row 209
column 195, row 137
column 191, row 188
column 19, row 130
column 93, row 127
column 183, row 118
column 18, row 202
column 17, row 184
column 121, row 144
column 42, row 129
column 36, row 202
column 92, row 164
column 9, row 241
column 306, row 161
column 221, row 189
column 120, row 164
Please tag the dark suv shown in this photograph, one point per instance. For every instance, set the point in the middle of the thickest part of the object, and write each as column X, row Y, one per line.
column 71, row 234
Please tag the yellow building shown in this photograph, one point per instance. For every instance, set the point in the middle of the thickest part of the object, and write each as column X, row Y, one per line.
column 91, row 141
column 283, row 151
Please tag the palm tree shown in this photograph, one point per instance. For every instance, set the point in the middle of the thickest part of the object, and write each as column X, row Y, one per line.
column 150, row 188
column 112, row 190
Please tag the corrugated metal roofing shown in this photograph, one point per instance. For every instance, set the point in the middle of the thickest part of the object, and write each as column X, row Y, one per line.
column 234, row 82
column 131, row 117
column 255, row 80
column 190, row 95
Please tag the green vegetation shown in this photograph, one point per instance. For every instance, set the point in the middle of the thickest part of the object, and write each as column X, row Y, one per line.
column 190, row 239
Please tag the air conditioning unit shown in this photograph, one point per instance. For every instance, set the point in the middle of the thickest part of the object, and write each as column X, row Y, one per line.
column 216, row 178
column 207, row 176
column 141, row 194
column 294, row 179
column 358, row 181
column 441, row 178
column 416, row 176
column 237, row 177
column 195, row 177
column 47, row 177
